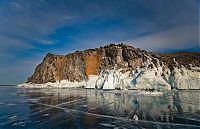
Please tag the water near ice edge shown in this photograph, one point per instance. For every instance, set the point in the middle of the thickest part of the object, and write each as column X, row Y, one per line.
column 89, row 108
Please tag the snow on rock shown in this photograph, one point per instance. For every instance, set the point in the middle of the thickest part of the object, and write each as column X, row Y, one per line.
column 182, row 78
column 149, row 77
column 142, row 78
column 146, row 79
column 152, row 77
column 111, row 80
column 91, row 82
column 108, row 79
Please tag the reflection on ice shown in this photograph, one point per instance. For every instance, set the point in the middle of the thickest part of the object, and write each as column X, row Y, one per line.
column 85, row 108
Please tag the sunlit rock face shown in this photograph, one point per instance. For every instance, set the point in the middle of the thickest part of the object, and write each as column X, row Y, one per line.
column 79, row 65
column 119, row 67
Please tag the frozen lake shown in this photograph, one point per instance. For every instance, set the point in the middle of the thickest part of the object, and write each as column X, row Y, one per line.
column 85, row 108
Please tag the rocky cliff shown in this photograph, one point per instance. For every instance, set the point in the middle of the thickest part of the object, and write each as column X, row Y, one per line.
column 79, row 65
column 120, row 66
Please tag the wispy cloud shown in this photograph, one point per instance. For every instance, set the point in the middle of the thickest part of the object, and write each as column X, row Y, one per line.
column 180, row 37
column 8, row 42
column 47, row 42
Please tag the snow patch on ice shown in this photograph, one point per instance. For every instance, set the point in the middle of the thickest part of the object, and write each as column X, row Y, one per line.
column 57, row 84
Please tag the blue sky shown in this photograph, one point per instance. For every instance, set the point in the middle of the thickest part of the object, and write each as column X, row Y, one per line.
column 31, row 28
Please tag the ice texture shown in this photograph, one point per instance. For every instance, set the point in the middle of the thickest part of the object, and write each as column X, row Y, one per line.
column 90, row 108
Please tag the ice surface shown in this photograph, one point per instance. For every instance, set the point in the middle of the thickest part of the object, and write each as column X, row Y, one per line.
column 90, row 108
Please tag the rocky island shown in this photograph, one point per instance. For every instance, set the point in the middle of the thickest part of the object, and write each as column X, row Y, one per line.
column 118, row 67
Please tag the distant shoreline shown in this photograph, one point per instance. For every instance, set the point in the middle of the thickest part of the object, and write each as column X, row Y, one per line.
column 6, row 85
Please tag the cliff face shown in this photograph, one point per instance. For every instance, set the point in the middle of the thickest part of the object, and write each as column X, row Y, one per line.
column 78, row 66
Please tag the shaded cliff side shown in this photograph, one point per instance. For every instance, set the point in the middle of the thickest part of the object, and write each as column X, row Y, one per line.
column 79, row 65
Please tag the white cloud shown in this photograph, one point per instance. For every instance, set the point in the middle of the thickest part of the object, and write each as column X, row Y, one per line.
column 47, row 42
column 12, row 43
column 181, row 37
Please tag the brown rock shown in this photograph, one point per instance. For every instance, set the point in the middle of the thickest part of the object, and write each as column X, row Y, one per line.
column 79, row 65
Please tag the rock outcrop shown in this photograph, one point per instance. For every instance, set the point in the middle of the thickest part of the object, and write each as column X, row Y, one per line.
column 119, row 67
